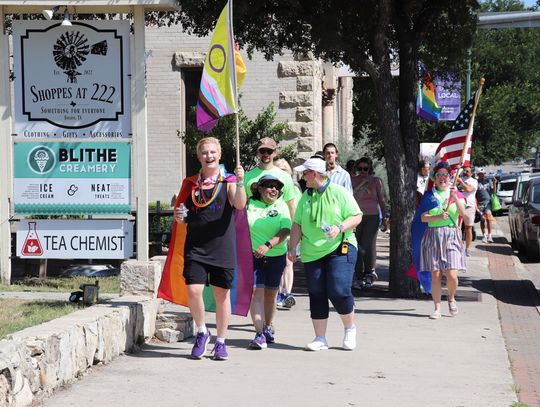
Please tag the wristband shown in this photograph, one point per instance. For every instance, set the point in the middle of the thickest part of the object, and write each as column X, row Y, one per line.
column 341, row 228
column 240, row 184
column 268, row 244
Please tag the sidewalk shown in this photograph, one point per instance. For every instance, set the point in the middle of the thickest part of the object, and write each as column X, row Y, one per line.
column 403, row 359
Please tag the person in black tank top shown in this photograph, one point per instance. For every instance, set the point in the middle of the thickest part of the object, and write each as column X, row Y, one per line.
column 209, row 247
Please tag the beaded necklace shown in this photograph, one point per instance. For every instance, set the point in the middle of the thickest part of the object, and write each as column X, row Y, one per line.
column 197, row 193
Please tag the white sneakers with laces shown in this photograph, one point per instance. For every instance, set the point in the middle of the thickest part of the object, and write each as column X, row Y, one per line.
column 317, row 344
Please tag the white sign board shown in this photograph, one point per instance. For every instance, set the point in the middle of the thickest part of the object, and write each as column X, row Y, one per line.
column 75, row 239
column 71, row 81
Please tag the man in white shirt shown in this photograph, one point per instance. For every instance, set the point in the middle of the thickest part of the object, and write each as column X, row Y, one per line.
column 468, row 186
column 335, row 172
column 423, row 176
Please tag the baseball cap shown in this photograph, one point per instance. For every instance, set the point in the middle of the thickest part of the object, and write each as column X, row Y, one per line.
column 267, row 142
column 269, row 177
column 314, row 164
column 480, row 170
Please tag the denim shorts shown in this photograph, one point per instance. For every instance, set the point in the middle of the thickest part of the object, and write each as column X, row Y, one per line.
column 268, row 271
column 330, row 278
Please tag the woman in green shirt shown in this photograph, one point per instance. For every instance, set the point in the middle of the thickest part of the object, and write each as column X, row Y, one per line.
column 323, row 224
column 269, row 225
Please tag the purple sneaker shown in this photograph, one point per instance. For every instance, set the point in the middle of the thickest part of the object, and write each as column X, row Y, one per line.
column 199, row 348
column 220, row 351
column 268, row 333
column 258, row 343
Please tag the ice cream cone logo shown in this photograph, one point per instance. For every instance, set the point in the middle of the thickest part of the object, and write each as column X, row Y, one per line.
column 41, row 160
column 41, row 157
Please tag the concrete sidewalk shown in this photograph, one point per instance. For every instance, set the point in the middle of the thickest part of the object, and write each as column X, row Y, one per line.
column 403, row 359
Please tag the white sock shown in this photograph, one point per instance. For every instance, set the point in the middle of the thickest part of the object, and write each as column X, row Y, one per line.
column 202, row 329
column 220, row 340
column 350, row 328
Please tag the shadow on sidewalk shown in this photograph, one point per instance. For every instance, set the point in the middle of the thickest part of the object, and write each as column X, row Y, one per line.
column 515, row 292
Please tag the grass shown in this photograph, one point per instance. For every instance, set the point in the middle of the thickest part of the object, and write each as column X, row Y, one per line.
column 66, row 284
column 520, row 405
column 16, row 315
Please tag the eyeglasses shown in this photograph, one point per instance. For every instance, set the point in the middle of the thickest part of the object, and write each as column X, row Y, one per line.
column 266, row 151
column 306, row 172
column 442, row 175
column 272, row 185
column 363, row 168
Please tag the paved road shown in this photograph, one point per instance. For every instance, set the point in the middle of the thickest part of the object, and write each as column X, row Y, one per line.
column 403, row 358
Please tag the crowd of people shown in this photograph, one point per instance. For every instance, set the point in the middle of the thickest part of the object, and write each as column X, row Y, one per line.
column 329, row 220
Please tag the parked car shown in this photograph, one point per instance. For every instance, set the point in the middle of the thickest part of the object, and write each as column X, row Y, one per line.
column 525, row 221
column 505, row 189
column 513, row 218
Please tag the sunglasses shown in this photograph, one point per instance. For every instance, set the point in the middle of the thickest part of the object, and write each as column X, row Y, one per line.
column 271, row 185
column 363, row 168
column 442, row 175
column 266, row 151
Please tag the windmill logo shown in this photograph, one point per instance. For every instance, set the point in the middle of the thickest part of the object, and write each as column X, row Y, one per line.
column 71, row 50
column 41, row 160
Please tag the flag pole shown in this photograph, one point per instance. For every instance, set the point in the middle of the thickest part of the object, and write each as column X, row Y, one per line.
column 469, row 130
column 232, row 62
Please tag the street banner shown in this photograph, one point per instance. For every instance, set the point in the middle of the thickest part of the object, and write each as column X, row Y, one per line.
column 75, row 239
column 72, row 178
column 448, row 96
column 71, row 81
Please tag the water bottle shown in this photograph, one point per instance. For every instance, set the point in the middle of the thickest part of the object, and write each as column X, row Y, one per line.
column 326, row 229
column 183, row 211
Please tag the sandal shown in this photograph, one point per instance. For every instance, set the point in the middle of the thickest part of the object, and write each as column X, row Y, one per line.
column 453, row 308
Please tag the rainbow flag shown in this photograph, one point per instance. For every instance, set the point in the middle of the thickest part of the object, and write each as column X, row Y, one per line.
column 223, row 72
column 426, row 104
column 173, row 287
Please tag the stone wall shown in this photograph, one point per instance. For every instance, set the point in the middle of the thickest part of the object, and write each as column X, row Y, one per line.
column 38, row 360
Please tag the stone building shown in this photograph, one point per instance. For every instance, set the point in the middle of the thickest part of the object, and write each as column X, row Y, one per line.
column 308, row 94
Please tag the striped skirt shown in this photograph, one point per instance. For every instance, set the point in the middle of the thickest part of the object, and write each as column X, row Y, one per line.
column 442, row 249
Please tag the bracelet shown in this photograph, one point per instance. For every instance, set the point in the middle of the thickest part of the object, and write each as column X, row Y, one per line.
column 268, row 244
column 341, row 228
column 240, row 184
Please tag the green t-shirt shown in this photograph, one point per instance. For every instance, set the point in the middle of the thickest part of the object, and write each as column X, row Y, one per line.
column 313, row 243
column 256, row 173
column 453, row 212
column 265, row 221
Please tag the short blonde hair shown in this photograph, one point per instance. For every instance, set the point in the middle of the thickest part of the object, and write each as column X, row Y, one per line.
column 284, row 165
column 208, row 140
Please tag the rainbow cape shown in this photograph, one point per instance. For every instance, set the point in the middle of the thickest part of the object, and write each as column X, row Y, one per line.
column 173, row 287
column 224, row 71
column 426, row 104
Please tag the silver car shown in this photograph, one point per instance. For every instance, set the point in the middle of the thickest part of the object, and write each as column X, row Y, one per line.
column 524, row 220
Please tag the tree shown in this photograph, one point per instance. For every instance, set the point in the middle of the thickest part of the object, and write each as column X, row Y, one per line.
column 367, row 35
column 251, row 131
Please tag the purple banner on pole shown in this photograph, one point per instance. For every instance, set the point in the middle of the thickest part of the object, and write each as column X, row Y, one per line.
column 448, row 96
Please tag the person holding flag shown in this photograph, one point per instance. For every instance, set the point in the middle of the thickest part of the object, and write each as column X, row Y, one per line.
column 442, row 246
column 453, row 153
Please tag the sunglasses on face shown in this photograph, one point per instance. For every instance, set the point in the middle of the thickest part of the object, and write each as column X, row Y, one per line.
column 363, row 168
column 306, row 172
column 272, row 185
column 266, row 151
column 442, row 175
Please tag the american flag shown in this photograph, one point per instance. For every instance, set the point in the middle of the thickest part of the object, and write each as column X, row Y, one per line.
column 451, row 146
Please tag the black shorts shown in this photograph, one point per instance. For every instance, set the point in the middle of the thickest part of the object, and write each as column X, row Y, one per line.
column 199, row 273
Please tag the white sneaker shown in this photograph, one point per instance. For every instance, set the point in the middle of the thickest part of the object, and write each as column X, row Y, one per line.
column 317, row 344
column 435, row 315
column 484, row 239
column 490, row 239
column 349, row 339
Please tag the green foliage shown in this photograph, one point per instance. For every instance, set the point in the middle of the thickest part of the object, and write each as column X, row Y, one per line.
column 251, row 131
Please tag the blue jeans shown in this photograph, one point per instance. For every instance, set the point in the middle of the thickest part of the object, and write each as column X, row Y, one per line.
column 268, row 271
column 330, row 278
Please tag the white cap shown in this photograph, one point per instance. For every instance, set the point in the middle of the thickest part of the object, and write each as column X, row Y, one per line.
column 314, row 164
column 480, row 170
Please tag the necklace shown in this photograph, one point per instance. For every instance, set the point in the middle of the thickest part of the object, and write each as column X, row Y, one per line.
column 197, row 193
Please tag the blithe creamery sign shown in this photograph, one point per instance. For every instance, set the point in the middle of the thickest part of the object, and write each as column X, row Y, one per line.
column 71, row 81
column 72, row 178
